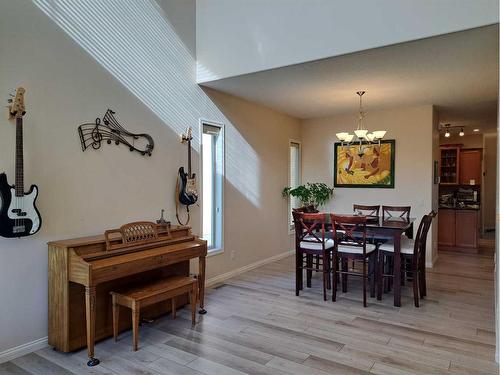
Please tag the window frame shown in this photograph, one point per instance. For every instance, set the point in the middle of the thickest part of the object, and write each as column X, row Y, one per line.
column 218, row 248
column 291, row 229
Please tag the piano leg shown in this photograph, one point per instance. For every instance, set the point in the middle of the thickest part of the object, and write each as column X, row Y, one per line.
column 90, row 301
column 201, row 286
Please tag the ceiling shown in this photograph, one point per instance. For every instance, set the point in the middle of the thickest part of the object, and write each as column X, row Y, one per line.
column 457, row 72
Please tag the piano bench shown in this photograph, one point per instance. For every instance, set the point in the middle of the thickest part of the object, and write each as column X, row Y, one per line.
column 149, row 294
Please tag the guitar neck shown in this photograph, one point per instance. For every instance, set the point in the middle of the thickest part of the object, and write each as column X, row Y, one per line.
column 189, row 158
column 19, row 158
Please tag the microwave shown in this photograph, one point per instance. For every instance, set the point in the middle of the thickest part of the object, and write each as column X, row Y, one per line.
column 467, row 195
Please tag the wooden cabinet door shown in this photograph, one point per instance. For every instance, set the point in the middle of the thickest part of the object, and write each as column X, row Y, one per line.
column 446, row 227
column 466, row 228
column 449, row 165
column 470, row 166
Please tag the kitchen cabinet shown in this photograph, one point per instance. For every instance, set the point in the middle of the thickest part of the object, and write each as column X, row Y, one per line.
column 460, row 166
column 458, row 230
column 466, row 228
column 446, row 227
column 449, row 165
column 470, row 166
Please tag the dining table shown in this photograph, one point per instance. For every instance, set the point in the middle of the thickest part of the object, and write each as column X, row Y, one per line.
column 386, row 227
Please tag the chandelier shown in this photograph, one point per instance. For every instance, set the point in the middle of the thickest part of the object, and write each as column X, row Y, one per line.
column 361, row 134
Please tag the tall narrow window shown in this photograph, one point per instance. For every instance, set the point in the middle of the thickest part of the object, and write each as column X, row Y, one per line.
column 294, row 175
column 212, row 184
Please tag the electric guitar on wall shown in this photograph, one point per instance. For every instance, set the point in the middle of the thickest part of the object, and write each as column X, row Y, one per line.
column 188, row 194
column 19, row 216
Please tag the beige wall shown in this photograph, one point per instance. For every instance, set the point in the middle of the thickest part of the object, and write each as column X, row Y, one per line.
column 468, row 141
column 436, row 155
column 412, row 130
column 489, row 190
column 255, row 230
column 84, row 193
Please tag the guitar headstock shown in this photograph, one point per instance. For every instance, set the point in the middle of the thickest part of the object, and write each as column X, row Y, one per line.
column 187, row 136
column 16, row 105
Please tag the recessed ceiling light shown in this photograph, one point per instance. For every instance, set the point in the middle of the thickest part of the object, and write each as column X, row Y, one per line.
column 476, row 130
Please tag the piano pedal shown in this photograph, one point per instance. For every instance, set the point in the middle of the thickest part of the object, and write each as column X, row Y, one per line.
column 146, row 321
column 93, row 362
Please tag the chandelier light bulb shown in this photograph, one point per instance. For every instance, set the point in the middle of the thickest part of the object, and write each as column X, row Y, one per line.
column 447, row 134
column 361, row 133
column 342, row 136
column 379, row 134
column 461, row 134
column 349, row 137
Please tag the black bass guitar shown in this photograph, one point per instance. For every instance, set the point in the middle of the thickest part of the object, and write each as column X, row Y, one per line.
column 19, row 216
column 188, row 194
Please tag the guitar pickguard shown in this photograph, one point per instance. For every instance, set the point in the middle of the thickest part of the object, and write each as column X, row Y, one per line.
column 191, row 187
column 24, row 208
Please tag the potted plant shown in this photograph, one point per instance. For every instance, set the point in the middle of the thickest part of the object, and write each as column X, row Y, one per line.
column 311, row 195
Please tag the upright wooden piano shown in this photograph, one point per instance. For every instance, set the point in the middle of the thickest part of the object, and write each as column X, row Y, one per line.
column 82, row 272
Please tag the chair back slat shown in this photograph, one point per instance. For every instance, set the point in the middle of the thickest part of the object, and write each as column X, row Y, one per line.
column 370, row 211
column 345, row 228
column 396, row 212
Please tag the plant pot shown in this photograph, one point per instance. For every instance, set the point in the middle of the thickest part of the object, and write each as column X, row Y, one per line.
column 309, row 209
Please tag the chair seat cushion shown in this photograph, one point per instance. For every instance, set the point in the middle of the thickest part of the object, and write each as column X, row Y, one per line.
column 316, row 245
column 356, row 250
column 406, row 245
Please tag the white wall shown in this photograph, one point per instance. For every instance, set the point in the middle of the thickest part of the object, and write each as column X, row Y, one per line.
column 238, row 36
column 412, row 128
column 138, row 67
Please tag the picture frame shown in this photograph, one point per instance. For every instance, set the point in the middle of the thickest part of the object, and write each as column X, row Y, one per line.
column 374, row 168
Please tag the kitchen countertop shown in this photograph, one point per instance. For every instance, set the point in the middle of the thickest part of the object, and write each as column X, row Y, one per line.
column 470, row 208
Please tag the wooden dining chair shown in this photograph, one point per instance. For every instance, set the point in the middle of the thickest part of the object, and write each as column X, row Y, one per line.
column 368, row 211
column 422, row 262
column 414, row 252
column 309, row 209
column 396, row 212
column 311, row 240
column 348, row 246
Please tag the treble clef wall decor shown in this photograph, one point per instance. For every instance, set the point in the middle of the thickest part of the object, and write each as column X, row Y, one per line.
column 110, row 130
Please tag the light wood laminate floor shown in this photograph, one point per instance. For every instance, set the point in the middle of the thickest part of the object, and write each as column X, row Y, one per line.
column 256, row 325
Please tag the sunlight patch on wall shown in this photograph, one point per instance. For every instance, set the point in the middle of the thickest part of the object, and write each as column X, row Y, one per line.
column 134, row 42
column 203, row 74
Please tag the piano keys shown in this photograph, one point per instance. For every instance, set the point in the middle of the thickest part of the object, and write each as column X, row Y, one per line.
column 82, row 272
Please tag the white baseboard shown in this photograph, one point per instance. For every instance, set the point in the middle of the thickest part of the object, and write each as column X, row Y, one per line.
column 23, row 349
column 220, row 278
column 430, row 264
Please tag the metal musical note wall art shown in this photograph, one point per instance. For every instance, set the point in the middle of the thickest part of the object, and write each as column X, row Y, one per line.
column 110, row 131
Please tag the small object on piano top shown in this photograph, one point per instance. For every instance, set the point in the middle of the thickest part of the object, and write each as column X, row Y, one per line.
column 162, row 220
